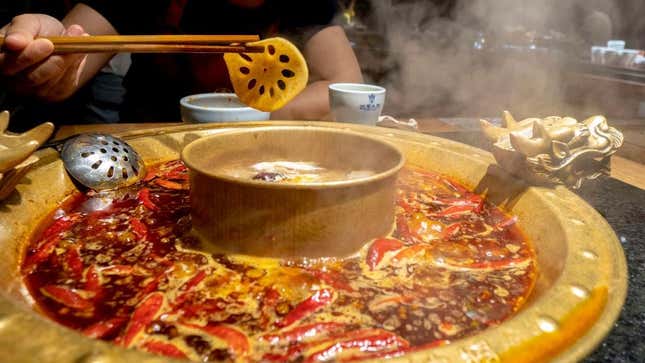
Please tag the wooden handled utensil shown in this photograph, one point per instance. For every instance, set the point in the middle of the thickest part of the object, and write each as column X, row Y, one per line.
column 154, row 44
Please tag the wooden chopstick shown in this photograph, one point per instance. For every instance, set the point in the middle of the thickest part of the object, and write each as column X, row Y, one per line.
column 154, row 44
column 156, row 39
column 154, row 48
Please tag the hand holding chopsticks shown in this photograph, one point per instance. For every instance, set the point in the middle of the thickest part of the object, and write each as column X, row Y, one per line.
column 154, row 44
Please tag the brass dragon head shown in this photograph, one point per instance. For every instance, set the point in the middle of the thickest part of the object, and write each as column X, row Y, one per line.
column 17, row 152
column 554, row 149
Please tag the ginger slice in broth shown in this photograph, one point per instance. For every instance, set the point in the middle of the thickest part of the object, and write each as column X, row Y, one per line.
column 268, row 80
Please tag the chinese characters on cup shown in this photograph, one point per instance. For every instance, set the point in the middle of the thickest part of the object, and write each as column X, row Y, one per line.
column 356, row 103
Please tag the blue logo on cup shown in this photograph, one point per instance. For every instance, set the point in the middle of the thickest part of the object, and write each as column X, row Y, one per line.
column 371, row 106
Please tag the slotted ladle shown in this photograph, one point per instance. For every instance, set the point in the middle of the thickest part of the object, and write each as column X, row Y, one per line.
column 101, row 161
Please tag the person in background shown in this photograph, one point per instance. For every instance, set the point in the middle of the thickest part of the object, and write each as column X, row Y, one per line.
column 154, row 83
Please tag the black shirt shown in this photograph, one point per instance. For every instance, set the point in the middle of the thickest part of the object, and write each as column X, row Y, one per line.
column 155, row 83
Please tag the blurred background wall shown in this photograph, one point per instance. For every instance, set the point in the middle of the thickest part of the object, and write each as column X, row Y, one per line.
column 476, row 57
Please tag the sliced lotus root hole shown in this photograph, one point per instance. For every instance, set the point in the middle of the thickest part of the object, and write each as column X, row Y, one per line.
column 268, row 80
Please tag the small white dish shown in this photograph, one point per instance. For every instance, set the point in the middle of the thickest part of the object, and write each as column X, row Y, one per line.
column 218, row 107
column 356, row 102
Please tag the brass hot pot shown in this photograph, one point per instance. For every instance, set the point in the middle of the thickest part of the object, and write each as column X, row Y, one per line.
column 579, row 293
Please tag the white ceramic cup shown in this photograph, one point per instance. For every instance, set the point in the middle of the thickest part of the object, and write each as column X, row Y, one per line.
column 218, row 107
column 356, row 102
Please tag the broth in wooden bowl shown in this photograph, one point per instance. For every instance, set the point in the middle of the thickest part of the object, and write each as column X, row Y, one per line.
column 292, row 192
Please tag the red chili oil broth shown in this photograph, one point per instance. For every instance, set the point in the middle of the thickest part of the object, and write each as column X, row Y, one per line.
column 454, row 266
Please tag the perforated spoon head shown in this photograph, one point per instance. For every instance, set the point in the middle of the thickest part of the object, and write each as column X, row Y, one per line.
column 102, row 162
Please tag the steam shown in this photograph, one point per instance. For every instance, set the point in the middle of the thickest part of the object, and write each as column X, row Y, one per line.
column 478, row 59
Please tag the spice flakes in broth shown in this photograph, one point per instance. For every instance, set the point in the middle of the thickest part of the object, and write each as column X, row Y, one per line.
column 129, row 273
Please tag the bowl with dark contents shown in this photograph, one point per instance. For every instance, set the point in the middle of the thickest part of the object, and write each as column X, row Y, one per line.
column 292, row 191
column 218, row 107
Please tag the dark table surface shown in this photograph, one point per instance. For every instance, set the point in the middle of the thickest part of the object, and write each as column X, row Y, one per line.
column 623, row 206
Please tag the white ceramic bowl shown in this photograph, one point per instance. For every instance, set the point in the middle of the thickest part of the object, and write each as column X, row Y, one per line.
column 218, row 107
column 356, row 102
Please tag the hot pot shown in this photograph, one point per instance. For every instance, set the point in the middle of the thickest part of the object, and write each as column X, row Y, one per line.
column 578, row 295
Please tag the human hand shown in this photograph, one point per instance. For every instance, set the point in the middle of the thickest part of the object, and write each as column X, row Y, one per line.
column 27, row 63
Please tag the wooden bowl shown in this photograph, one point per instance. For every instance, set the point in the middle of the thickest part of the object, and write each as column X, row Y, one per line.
column 331, row 218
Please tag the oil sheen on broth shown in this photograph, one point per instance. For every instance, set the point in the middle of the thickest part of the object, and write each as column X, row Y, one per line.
column 130, row 273
column 291, row 172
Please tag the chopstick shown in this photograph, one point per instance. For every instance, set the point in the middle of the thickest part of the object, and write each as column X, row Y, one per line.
column 154, row 44
column 157, row 39
column 154, row 48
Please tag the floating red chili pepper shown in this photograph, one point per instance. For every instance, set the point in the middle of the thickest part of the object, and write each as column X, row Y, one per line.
column 139, row 228
column 60, row 225
column 173, row 167
column 507, row 223
column 50, row 237
column 334, row 279
column 499, row 264
column 42, row 253
column 189, row 285
column 455, row 211
column 142, row 316
column 236, row 340
column 92, row 280
column 379, row 248
column 104, row 328
column 152, row 285
column 402, row 228
column 74, row 263
column 144, row 197
column 403, row 204
column 316, row 301
column 170, row 184
column 167, row 349
column 66, row 296
column 178, row 173
column 454, row 186
column 303, row 332
column 410, row 251
column 451, row 231
column 271, row 297
column 365, row 340
column 151, row 174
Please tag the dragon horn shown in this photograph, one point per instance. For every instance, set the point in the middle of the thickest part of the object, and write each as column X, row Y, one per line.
column 527, row 146
column 509, row 120
column 492, row 132
column 539, row 131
